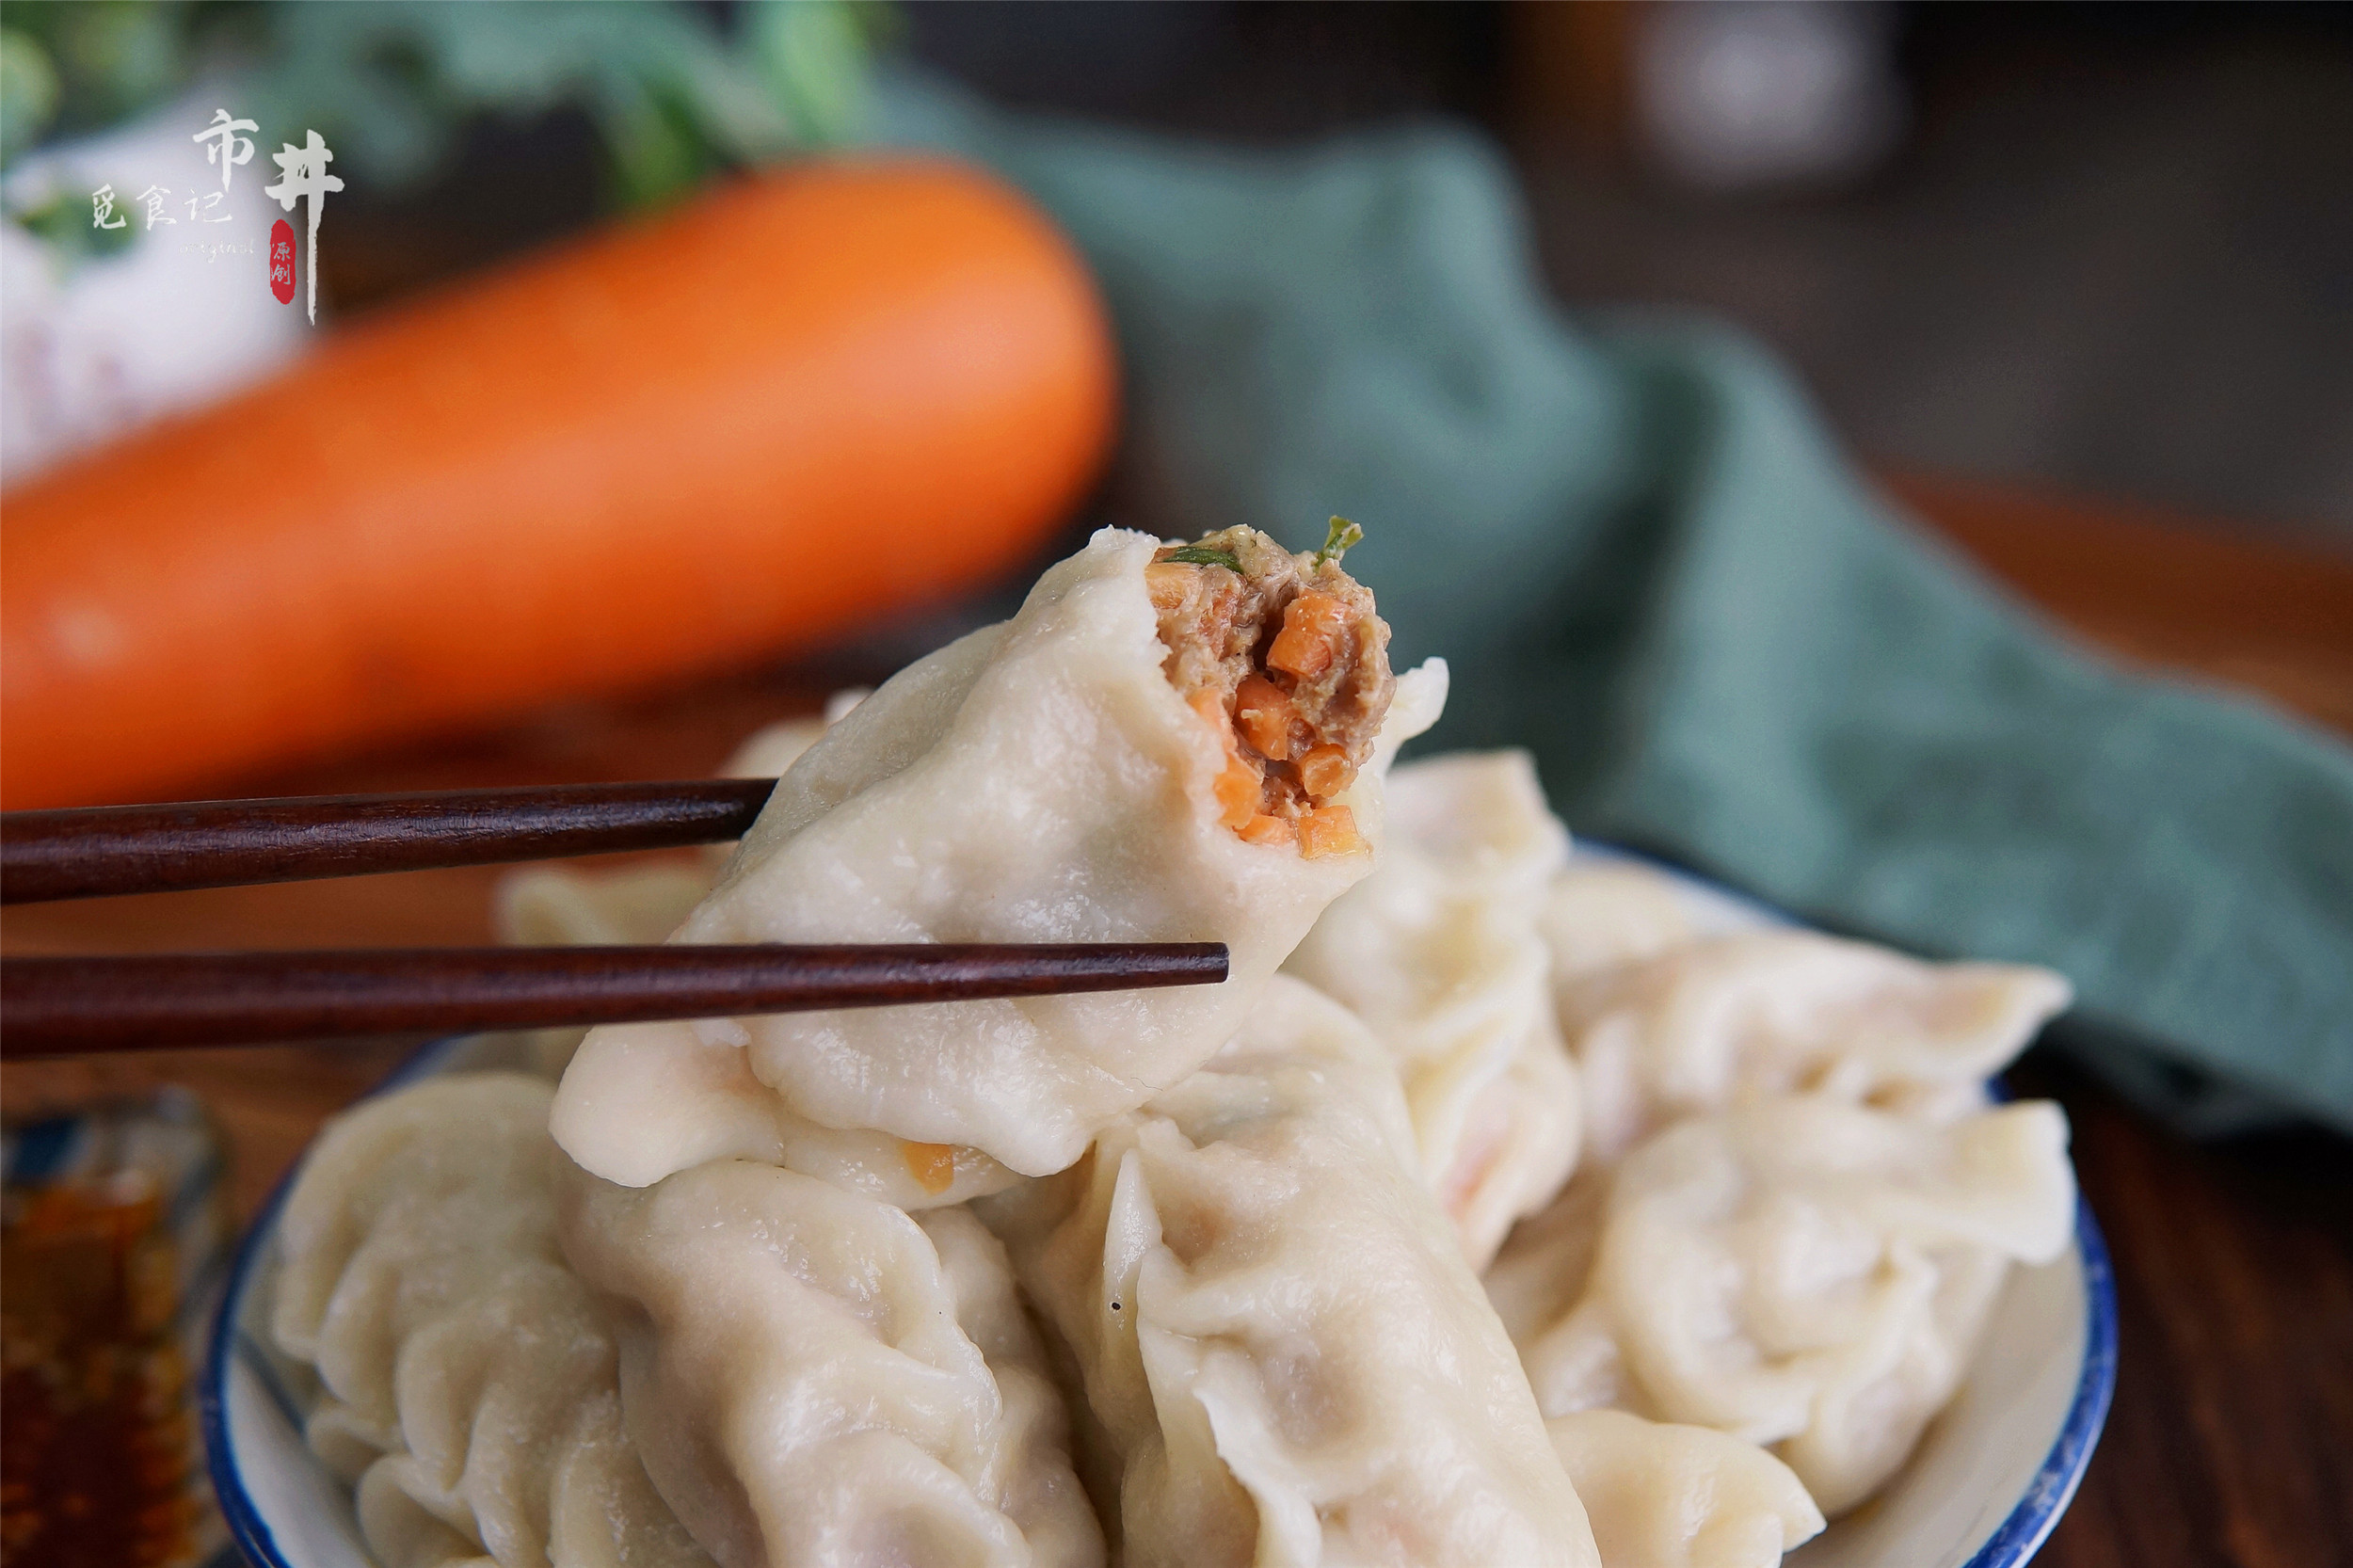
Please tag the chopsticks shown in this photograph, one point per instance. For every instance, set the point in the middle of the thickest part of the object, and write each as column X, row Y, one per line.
column 60, row 1006
column 90, row 853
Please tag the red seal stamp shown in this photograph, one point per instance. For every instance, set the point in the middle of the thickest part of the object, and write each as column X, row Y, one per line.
column 282, row 260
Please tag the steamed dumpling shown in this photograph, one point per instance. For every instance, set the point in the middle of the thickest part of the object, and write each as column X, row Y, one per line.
column 797, row 1372
column 1733, row 1018
column 1040, row 1492
column 1799, row 1272
column 1286, row 1359
column 1598, row 915
column 1071, row 775
column 467, row 1385
column 1671, row 1497
column 552, row 907
column 1439, row 952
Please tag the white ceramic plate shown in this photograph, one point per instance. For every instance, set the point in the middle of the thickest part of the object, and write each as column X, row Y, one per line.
column 1989, row 1480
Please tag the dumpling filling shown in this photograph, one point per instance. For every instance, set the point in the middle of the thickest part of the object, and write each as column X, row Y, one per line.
column 1283, row 654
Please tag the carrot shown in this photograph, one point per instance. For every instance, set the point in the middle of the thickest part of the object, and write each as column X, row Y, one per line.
column 1328, row 830
column 1324, row 772
column 736, row 429
column 1303, row 647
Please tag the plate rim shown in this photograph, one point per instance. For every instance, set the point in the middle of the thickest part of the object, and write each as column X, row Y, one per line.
column 2018, row 1537
column 2013, row 1543
column 249, row 1528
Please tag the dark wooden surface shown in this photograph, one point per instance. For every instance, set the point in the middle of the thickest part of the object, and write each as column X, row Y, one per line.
column 2231, row 1441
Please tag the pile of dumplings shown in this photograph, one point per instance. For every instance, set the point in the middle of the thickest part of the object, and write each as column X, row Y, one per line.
column 1505, row 1206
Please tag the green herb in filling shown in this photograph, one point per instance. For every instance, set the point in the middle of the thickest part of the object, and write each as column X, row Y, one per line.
column 1205, row 555
column 1338, row 538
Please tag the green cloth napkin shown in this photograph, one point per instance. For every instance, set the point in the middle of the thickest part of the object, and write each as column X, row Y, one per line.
column 1646, row 562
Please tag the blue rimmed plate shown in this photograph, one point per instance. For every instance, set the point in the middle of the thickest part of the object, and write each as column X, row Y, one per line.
column 1984, row 1489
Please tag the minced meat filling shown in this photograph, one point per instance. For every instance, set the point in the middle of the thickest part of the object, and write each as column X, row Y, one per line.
column 1285, row 654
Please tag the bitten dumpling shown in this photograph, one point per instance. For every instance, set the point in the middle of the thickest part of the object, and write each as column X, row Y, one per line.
column 1798, row 1272
column 1439, row 952
column 1165, row 744
column 797, row 1371
column 1726, row 1018
column 1286, row 1359
column 1671, row 1497
column 469, row 1386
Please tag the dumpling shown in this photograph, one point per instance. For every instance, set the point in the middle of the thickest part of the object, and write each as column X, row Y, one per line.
column 795, row 1372
column 551, row 906
column 1286, row 1359
column 1599, row 915
column 514, row 1451
column 1671, row 1497
column 1094, row 770
column 1798, row 1272
column 770, row 751
column 1438, row 950
column 1729, row 1018
column 469, row 1388
column 1041, row 1493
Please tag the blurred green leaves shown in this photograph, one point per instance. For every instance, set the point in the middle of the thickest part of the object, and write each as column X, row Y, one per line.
column 28, row 91
column 83, row 66
column 64, row 221
column 676, row 92
column 673, row 98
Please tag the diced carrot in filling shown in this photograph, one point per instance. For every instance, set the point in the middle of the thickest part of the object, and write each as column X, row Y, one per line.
column 1281, row 655
column 1263, row 829
column 932, row 1165
column 1265, row 717
column 1325, row 772
column 1328, row 830
column 1303, row 647
column 1238, row 784
column 1166, row 582
column 1237, row 790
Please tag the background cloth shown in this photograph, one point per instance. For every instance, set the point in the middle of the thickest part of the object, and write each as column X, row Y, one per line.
column 1647, row 563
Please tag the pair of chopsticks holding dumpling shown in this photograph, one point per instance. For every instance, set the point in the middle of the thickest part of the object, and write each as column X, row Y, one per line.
column 63, row 1005
column 1262, row 671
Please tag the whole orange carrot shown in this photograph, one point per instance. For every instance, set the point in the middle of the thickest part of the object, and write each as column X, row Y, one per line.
column 738, row 428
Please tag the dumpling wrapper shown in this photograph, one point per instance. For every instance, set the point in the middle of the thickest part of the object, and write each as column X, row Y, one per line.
column 1727, row 1019
column 1286, row 1359
column 797, row 1372
column 1597, row 917
column 1799, row 1272
column 1662, row 1495
column 469, row 1386
column 1036, row 781
column 1439, row 952
column 1040, row 1490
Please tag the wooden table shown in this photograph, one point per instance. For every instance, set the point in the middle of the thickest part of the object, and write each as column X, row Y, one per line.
column 2231, row 1441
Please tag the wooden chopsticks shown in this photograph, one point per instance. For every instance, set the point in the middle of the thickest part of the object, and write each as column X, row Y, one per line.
column 61, row 1006
column 46, row 855
column 57, row 1006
